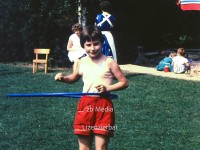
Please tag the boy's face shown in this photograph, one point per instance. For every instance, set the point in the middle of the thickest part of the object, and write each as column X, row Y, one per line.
column 93, row 48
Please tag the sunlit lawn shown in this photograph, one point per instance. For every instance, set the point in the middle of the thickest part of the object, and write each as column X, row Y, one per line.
column 153, row 113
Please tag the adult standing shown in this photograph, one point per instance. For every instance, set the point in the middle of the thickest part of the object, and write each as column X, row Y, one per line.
column 105, row 22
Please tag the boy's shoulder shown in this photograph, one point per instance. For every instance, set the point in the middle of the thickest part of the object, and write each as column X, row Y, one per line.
column 84, row 59
column 110, row 60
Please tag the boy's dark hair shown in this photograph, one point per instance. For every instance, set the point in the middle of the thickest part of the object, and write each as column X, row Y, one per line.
column 77, row 27
column 106, row 6
column 90, row 33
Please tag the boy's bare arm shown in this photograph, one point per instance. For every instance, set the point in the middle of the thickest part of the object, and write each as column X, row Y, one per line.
column 69, row 78
column 122, row 81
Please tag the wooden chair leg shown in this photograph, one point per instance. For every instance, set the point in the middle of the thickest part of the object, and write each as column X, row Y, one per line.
column 33, row 67
column 36, row 66
column 45, row 68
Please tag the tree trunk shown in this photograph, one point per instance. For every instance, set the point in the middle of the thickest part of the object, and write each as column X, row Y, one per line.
column 82, row 18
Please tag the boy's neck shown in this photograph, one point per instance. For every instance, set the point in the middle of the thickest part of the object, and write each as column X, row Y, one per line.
column 98, row 58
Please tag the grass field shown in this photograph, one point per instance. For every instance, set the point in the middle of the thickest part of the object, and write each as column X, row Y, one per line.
column 152, row 113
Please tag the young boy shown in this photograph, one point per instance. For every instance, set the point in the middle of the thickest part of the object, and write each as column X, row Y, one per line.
column 95, row 114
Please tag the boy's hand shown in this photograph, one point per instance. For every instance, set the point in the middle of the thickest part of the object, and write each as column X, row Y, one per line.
column 101, row 88
column 58, row 76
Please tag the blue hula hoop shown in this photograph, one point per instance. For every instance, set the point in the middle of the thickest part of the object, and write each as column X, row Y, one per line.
column 69, row 94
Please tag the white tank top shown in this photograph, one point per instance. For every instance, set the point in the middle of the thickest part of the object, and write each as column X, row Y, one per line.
column 95, row 74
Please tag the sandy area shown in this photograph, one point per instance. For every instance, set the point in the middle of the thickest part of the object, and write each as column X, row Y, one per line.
column 130, row 68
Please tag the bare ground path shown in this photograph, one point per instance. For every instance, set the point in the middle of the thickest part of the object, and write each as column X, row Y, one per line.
column 130, row 68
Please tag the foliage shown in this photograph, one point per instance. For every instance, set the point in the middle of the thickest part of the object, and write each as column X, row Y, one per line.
column 29, row 24
column 157, row 24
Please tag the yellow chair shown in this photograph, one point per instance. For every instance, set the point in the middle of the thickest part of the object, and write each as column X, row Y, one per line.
column 40, row 60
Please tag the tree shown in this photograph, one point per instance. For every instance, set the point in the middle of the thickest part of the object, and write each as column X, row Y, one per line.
column 87, row 10
column 27, row 24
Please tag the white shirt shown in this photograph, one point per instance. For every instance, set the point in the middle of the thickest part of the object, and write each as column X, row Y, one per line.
column 77, row 51
column 179, row 64
column 95, row 74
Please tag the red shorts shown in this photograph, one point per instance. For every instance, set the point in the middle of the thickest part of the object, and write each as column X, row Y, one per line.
column 94, row 115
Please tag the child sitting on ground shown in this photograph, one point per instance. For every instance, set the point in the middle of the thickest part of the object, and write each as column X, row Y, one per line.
column 167, row 61
column 180, row 63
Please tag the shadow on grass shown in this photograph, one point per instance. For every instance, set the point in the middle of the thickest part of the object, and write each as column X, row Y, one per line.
column 132, row 75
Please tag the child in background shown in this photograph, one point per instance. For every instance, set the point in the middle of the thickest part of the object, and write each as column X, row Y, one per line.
column 166, row 62
column 105, row 22
column 75, row 51
column 97, row 72
column 180, row 63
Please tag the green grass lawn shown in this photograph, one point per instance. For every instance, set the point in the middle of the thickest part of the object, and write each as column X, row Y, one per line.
column 152, row 113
